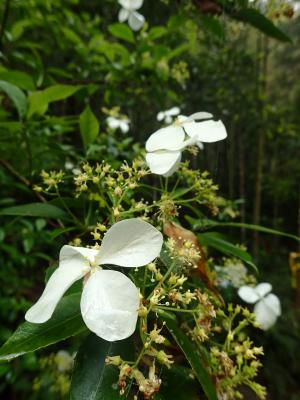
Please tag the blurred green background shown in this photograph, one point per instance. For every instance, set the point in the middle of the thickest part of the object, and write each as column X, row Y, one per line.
column 238, row 60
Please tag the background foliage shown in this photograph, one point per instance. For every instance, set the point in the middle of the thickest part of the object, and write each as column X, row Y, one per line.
column 64, row 63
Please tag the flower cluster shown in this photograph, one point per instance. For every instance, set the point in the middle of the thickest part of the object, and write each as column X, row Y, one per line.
column 164, row 147
column 235, row 362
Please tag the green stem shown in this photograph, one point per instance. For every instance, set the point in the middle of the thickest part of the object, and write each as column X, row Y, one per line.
column 176, row 309
column 169, row 271
column 75, row 219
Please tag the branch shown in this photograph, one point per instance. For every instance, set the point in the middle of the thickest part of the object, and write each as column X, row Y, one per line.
column 4, row 20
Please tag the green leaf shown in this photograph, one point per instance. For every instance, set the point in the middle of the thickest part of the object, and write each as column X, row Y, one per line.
column 213, row 25
column 18, row 78
column 178, row 383
column 35, row 210
column 215, row 240
column 205, row 223
column 89, row 126
column 259, row 21
column 65, row 322
column 201, row 224
column 122, row 31
column 157, row 32
column 39, row 100
column 192, row 355
column 92, row 378
column 16, row 95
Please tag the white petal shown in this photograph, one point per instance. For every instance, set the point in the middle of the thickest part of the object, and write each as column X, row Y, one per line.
column 198, row 116
column 173, row 111
column 109, row 305
column 73, row 265
column 168, row 119
column 130, row 243
column 263, row 288
column 267, row 310
column 113, row 122
column 182, row 118
column 200, row 145
column 123, row 15
column 248, row 294
column 124, row 126
column 136, row 20
column 164, row 162
column 169, row 138
column 160, row 116
column 206, row 131
column 136, row 4
column 125, row 3
column 131, row 4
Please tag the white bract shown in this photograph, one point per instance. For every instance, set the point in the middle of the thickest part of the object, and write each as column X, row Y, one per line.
column 128, row 12
column 164, row 147
column 118, row 123
column 267, row 306
column 167, row 115
column 110, row 301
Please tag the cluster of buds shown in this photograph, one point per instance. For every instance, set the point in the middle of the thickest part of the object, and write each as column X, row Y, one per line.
column 50, row 179
column 147, row 386
column 156, row 274
column 167, row 208
column 235, row 362
column 187, row 254
column 203, row 318
column 203, row 187
column 98, row 231
column 180, row 72
column 109, row 186
column 94, row 175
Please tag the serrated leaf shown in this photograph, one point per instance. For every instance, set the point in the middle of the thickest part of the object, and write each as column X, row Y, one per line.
column 16, row 95
column 65, row 322
column 192, row 355
column 89, row 126
column 39, row 100
column 259, row 21
column 122, row 31
column 35, row 210
column 92, row 378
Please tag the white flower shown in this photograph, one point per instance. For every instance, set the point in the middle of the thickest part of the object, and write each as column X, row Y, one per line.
column 128, row 12
column 267, row 305
column 167, row 115
column 118, row 123
column 164, row 147
column 110, row 301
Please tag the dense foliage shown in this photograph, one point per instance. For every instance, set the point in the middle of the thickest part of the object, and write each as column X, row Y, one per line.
column 80, row 93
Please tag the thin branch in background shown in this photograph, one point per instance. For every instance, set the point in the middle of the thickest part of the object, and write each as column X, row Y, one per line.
column 4, row 21
column 27, row 183
column 22, row 179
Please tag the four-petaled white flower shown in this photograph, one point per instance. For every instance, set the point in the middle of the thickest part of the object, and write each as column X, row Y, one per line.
column 118, row 123
column 167, row 115
column 110, row 301
column 267, row 306
column 128, row 12
column 164, row 147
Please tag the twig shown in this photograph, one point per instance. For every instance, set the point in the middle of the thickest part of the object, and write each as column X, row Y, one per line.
column 4, row 21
